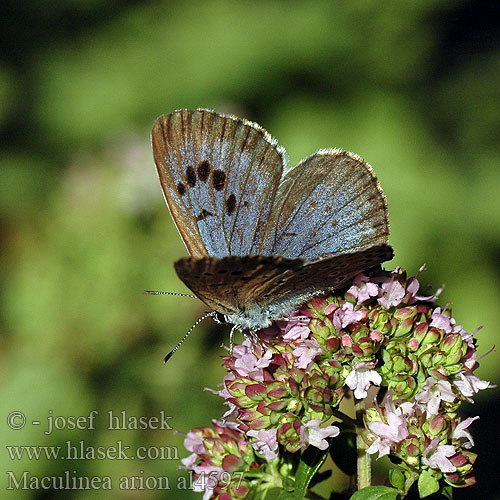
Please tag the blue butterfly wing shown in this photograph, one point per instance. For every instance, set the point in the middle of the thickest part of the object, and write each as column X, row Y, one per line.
column 219, row 176
column 330, row 203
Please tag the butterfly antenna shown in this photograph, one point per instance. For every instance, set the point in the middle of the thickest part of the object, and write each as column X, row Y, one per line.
column 171, row 353
column 153, row 292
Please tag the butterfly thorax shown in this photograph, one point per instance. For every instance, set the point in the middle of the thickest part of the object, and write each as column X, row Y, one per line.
column 252, row 322
column 257, row 316
column 253, row 319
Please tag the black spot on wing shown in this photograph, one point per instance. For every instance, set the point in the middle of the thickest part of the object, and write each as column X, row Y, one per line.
column 218, row 179
column 203, row 215
column 181, row 189
column 203, row 170
column 191, row 176
column 230, row 204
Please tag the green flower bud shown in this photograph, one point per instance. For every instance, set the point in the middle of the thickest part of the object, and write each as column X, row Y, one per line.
column 433, row 336
column 294, row 405
column 437, row 425
column 372, row 415
column 317, row 307
column 320, row 329
column 379, row 319
column 411, row 447
column 255, row 392
column 289, row 433
column 420, row 331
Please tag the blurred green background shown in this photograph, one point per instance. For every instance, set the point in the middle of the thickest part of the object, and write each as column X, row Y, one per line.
column 413, row 87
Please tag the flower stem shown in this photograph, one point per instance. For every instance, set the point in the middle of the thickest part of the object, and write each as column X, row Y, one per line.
column 344, row 418
column 364, row 460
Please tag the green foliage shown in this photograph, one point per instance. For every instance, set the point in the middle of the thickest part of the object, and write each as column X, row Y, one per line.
column 397, row 478
column 376, row 493
column 85, row 229
column 427, row 484
column 310, row 462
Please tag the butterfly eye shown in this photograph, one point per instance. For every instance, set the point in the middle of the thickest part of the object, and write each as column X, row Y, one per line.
column 219, row 318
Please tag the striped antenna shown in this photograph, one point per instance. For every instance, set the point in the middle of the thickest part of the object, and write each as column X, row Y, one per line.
column 153, row 292
column 171, row 353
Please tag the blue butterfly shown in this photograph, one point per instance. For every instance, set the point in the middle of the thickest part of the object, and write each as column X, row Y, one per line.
column 264, row 238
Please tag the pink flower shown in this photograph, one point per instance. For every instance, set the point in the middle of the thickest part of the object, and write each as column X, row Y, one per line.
column 436, row 456
column 330, row 308
column 360, row 378
column 391, row 433
column 442, row 321
column 225, row 394
column 266, row 443
column 392, row 294
column 297, row 332
column 412, row 287
column 394, row 431
column 346, row 315
column 468, row 384
column 362, row 289
column 194, row 443
column 312, row 433
column 209, row 476
column 306, row 351
column 188, row 462
column 381, row 445
column 430, row 298
column 248, row 364
column 460, row 433
column 434, row 392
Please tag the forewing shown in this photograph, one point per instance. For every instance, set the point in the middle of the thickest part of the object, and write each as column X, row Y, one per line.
column 219, row 176
column 330, row 203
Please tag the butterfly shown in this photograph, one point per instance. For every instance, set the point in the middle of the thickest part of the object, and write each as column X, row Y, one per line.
column 264, row 238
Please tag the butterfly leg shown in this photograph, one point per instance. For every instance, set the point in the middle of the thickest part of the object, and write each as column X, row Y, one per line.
column 295, row 318
column 231, row 340
column 254, row 339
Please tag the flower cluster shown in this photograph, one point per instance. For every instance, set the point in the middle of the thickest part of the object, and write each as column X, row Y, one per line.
column 224, row 464
column 283, row 391
column 422, row 440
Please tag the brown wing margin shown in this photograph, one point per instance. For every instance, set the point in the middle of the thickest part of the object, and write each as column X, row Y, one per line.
column 235, row 284
column 219, row 176
column 329, row 203
column 230, row 284
column 306, row 279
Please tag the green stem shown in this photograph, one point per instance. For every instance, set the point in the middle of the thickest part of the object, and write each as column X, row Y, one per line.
column 344, row 418
column 412, row 477
column 364, row 460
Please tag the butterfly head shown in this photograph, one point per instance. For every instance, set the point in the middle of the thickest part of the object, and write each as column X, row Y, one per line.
column 219, row 318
